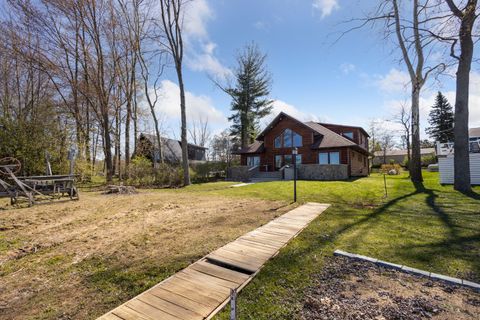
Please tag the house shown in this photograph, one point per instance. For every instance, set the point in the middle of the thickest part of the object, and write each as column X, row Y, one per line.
column 172, row 149
column 325, row 151
column 446, row 157
column 397, row 156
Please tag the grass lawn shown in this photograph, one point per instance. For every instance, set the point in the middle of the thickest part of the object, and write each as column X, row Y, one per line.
column 429, row 227
column 79, row 259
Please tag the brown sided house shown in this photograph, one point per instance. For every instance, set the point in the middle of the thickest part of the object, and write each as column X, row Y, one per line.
column 325, row 151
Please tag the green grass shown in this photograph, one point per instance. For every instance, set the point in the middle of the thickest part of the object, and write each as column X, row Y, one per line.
column 427, row 226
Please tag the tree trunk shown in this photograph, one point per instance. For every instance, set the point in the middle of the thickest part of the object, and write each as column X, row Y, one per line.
column 127, row 139
column 415, row 166
column 186, row 172
column 461, row 143
column 107, row 147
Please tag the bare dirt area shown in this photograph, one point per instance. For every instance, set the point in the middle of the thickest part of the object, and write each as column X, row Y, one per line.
column 77, row 260
column 350, row 289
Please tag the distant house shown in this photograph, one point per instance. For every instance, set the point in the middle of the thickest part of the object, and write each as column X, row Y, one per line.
column 397, row 156
column 446, row 156
column 172, row 149
column 325, row 151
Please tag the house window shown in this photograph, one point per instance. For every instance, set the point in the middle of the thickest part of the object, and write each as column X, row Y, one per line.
column 329, row 158
column 323, row 158
column 278, row 141
column 348, row 135
column 334, row 157
column 278, row 161
column 288, row 139
column 253, row 161
column 298, row 159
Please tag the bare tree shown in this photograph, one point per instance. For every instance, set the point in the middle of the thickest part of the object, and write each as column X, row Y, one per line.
column 412, row 34
column 387, row 142
column 403, row 117
column 199, row 131
column 172, row 19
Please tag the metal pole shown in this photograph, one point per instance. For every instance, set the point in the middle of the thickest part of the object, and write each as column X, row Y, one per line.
column 233, row 304
column 295, row 180
column 294, row 156
column 385, row 184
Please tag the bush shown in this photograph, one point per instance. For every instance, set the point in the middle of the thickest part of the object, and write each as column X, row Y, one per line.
column 83, row 170
column 143, row 174
column 387, row 168
column 208, row 171
column 427, row 160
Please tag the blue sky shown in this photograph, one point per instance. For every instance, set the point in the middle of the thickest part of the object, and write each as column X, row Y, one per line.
column 351, row 81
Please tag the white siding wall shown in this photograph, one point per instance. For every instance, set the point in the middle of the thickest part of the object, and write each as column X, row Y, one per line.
column 445, row 165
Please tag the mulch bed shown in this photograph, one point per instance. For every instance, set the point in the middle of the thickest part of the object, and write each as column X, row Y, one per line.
column 351, row 289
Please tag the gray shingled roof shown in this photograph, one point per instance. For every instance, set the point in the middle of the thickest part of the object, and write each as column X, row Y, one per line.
column 172, row 149
column 328, row 138
column 256, row 147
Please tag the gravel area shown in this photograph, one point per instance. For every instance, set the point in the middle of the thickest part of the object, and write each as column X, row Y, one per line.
column 351, row 289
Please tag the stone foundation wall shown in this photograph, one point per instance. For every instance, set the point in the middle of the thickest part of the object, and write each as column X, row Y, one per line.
column 322, row 172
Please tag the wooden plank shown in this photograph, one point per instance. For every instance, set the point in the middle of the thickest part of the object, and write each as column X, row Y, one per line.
column 211, row 291
column 255, row 242
column 127, row 313
column 209, row 278
column 168, row 307
column 110, row 316
column 149, row 310
column 181, row 301
column 253, row 260
column 249, row 250
column 219, row 272
column 235, row 263
column 190, row 293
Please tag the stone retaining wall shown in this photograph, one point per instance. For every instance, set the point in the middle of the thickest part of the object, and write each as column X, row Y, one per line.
column 322, row 172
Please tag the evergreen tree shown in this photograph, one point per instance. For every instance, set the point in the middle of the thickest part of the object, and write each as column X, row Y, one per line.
column 441, row 120
column 249, row 95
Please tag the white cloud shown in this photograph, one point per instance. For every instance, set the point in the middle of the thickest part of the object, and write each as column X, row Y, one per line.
column 208, row 62
column 326, row 7
column 395, row 81
column 197, row 15
column 198, row 106
column 200, row 50
column 291, row 110
column 347, row 68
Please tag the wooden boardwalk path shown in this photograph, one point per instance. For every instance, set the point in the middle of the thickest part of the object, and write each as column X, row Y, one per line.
column 202, row 289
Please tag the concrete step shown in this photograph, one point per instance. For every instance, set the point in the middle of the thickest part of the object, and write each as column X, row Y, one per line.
column 264, row 179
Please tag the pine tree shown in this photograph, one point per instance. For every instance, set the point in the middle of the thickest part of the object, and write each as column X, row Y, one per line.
column 441, row 120
column 249, row 95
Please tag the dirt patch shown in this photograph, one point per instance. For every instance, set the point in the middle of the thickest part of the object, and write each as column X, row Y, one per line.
column 77, row 260
column 350, row 289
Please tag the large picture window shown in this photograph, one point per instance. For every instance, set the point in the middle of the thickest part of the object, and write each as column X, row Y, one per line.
column 329, row 157
column 288, row 139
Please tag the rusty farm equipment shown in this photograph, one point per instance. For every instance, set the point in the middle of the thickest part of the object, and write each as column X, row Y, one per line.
column 33, row 188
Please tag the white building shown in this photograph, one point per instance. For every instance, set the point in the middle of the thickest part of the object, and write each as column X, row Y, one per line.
column 446, row 155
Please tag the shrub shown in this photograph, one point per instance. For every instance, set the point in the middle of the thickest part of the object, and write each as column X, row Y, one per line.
column 429, row 159
column 83, row 170
column 387, row 168
column 208, row 171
